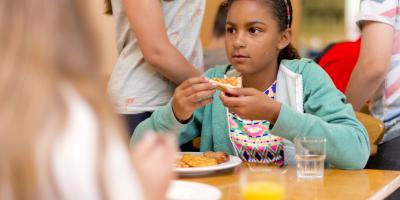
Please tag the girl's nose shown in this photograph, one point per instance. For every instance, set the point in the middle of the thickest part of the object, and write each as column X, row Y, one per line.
column 239, row 41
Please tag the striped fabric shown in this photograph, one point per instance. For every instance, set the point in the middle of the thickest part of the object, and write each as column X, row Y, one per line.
column 386, row 102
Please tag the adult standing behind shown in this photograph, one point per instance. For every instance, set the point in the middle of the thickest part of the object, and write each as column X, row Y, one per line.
column 59, row 136
column 159, row 47
column 376, row 76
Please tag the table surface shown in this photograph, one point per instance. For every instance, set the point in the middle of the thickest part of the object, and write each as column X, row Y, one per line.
column 336, row 184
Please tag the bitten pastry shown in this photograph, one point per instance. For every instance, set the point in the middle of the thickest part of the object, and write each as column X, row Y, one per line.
column 228, row 82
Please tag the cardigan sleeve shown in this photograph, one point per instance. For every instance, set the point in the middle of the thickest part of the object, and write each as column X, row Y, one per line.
column 163, row 121
column 327, row 114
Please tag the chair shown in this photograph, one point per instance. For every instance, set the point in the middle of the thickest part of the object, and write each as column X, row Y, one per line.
column 196, row 142
column 374, row 129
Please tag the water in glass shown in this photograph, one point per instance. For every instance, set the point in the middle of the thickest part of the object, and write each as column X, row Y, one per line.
column 310, row 166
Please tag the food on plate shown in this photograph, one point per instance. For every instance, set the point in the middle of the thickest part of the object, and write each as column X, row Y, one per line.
column 228, row 82
column 221, row 157
column 181, row 164
column 198, row 161
column 202, row 160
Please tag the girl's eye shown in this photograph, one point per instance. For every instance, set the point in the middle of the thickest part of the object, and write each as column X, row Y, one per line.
column 254, row 30
column 230, row 30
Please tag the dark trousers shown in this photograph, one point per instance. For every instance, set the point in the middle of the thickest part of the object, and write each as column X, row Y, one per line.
column 133, row 120
column 387, row 158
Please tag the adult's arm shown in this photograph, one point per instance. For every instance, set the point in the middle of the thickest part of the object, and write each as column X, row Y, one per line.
column 147, row 21
column 373, row 62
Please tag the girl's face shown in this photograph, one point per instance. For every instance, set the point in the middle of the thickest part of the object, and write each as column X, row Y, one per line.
column 253, row 39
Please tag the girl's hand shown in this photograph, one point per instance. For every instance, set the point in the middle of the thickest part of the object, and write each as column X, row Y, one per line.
column 190, row 95
column 251, row 104
column 154, row 157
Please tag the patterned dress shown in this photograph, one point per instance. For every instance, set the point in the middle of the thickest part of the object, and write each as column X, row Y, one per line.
column 252, row 139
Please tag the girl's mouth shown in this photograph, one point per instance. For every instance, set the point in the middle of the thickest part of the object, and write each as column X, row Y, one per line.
column 240, row 57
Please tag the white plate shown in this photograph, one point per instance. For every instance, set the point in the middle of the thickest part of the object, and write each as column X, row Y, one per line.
column 185, row 190
column 196, row 171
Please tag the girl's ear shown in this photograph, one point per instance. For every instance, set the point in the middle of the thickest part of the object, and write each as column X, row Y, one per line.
column 286, row 38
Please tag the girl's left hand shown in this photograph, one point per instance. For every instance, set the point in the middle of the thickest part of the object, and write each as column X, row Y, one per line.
column 252, row 104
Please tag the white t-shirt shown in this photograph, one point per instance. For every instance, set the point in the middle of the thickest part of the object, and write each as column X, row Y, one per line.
column 135, row 85
column 385, row 104
column 74, row 159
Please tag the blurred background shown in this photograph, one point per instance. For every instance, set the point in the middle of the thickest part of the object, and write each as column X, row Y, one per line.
column 317, row 24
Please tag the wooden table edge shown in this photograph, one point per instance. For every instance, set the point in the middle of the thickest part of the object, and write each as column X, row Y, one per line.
column 387, row 190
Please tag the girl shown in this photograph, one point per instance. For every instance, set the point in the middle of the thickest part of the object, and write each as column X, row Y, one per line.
column 159, row 47
column 59, row 138
column 283, row 97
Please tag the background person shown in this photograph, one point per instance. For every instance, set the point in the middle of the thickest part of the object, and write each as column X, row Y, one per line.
column 376, row 76
column 159, row 47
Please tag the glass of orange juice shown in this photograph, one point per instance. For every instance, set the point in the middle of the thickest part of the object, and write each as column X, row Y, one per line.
column 259, row 183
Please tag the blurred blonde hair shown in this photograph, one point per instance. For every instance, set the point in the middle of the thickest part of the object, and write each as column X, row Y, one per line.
column 45, row 45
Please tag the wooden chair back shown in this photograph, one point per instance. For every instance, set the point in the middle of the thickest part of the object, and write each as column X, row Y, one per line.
column 374, row 128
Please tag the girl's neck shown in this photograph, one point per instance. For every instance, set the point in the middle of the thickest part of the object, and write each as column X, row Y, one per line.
column 261, row 80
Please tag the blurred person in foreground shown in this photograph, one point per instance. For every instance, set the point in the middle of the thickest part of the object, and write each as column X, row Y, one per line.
column 59, row 138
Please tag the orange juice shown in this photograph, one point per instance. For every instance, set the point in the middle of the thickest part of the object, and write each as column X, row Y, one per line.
column 262, row 190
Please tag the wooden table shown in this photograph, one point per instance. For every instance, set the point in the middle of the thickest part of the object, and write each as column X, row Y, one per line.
column 336, row 184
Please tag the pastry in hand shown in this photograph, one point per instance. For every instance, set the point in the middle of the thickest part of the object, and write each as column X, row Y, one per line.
column 228, row 82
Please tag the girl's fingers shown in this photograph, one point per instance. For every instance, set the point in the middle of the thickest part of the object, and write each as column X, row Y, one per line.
column 230, row 101
column 201, row 103
column 200, row 96
column 204, row 102
column 188, row 83
column 199, row 87
column 241, row 92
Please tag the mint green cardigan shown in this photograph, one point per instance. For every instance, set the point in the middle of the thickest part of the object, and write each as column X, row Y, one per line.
column 311, row 106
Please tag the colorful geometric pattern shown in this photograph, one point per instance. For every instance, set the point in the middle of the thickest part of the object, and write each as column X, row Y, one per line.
column 386, row 102
column 252, row 139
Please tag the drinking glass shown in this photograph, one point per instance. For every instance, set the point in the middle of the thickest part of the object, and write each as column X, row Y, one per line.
column 310, row 156
column 261, row 183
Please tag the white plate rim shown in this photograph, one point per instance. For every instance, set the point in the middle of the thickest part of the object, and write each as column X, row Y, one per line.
column 212, row 191
column 233, row 162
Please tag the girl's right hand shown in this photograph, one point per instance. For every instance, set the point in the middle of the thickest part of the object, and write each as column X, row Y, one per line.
column 190, row 95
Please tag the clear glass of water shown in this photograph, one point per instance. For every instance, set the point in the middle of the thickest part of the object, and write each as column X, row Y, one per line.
column 310, row 156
